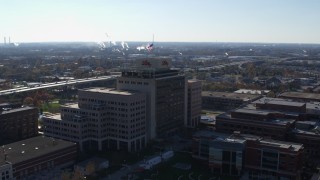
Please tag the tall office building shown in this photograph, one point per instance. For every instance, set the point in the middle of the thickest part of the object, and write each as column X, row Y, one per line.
column 103, row 119
column 194, row 103
column 166, row 94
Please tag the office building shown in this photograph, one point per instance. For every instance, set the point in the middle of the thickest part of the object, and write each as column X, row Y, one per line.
column 249, row 156
column 278, row 104
column 270, row 159
column 102, row 119
column 301, row 97
column 194, row 103
column 166, row 94
column 24, row 158
column 226, row 156
column 257, row 122
column 225, row 101
column 18, row 124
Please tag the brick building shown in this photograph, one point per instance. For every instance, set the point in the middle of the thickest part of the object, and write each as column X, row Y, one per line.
column 249, row 156
column 269, row 159
column 257, row 122
column 18, row 124
column 225, row 101
column 24, row 158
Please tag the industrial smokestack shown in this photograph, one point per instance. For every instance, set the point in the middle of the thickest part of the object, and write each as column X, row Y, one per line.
column 4, row 40
column 9, row 40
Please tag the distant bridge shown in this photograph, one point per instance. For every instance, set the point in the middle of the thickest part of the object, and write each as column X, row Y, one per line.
column 58, row 84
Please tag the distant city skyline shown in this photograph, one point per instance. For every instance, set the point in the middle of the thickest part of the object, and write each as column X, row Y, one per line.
column 265, row 21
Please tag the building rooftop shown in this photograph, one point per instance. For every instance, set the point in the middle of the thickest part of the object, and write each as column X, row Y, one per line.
column 16, row 110
column 210, row 134
column 193, row 81
column 251, row 91
column 244, row 97
column 253, row 111
column 31, row 148
column 277, row 121
column 53, row 116
column 313, row 105
column 282, row 144
column 278, row 101
column 311, row 96
column 109, row 91
column 268, row 142
column 71, row 105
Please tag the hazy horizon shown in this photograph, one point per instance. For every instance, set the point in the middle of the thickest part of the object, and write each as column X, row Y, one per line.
column 222, row 21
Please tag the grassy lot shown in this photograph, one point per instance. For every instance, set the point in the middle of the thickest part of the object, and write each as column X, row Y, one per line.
column 52, row 107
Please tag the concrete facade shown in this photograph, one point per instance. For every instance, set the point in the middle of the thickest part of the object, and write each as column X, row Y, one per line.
column 103, row 119
column 166, row 95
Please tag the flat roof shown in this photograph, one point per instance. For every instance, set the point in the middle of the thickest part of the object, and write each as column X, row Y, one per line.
column 278, row 121
column 71, row 105
column 53, row 116
column 209, row 134
column 313, row 105
column 109, row 91
column 268, row 142
column 31, row 148
column 193, row 80
column 282, row 144
column 278, row 101
column 304, row 132
column 252, row 111
column 244, row 97
column 251, row 91
column 311, row 96
column 16, row 110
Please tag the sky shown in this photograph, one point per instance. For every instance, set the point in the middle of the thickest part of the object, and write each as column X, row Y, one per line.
column 269, row 21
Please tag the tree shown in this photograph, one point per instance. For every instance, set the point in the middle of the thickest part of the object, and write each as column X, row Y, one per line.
column 28, row 101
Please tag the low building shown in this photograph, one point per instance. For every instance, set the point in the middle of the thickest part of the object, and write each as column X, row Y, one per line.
column 271, row 159
column 24, row 158
column 225, row 101
column 264, row 123
column 201, row 142
column 279, row 104
column 308, row 133
column 226, row 156
column 253, row 156
column 18, row 124
column 300, row 96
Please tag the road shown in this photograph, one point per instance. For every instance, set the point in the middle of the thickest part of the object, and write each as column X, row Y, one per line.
column 58, row 84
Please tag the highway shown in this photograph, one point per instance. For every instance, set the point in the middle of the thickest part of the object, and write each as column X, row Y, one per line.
column 58, row 84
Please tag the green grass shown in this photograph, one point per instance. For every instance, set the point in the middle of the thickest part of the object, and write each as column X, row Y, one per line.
column 52, row 107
